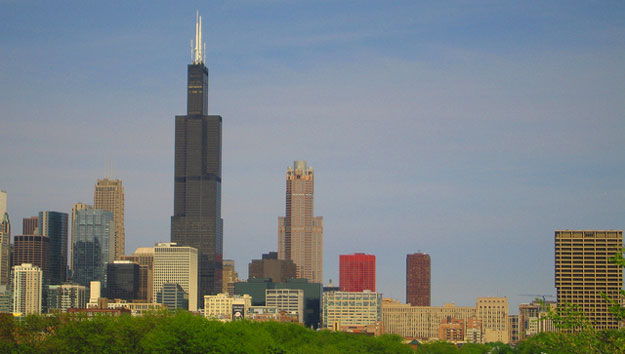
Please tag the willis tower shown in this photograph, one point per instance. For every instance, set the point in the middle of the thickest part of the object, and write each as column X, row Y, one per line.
column 197, row 176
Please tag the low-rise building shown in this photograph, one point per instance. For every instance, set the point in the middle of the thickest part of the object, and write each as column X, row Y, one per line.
column 226, row 307
column 342, row 309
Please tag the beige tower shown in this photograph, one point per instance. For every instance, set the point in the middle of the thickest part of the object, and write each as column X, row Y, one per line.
column 27, row 289
column 174, row 264
column 300, row 235
column 493, row 312
column 109, row 196
column 75, row 209
column 584, row 271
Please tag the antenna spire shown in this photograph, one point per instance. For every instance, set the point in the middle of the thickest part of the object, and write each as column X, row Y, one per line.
column 197, row 56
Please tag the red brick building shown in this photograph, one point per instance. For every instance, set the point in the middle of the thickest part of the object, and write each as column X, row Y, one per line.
column 418, row 279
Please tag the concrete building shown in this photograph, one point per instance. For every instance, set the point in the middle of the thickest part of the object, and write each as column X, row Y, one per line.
column 267, row 313
column 93, row 245
column 197, row 218
column 300, row 234
column 176, row 264
column 451, row 329
column 30, row 225
column 5, row 245
column 473, row 331
column 513, row 329
column 279, row 270
column 420, row 322
column 583, row 271
column 357, row 272
column 173, row 297
column 226, row 307
column 144, row 256
column 532, row 318
column 418, row 279
column 5, row 299
column 312, row 295
column 109, row 196
column 53, row 224
column 122, row 280
column 229, row 277
column 342, row 309
column 27, row 288
column 66, row 296
column 290, row 301
column 77, row 207
column 493, row 312
column 135, row 308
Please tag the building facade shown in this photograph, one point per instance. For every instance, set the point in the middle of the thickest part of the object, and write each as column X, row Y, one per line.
column 72, row 240
column 493, row 312
column 226, row 307
column 357, row 272
column 342, row 309
column 30, row 225
column 290, row 301
column 418, row 279
column 583, row 271
column 122, row 280
column 279, row 270
column 197, row 218
column 229, row 277
column 109, row 196
column 93, row 245
column 35, row 250
column 300, row 234
column 66, row 296
column 54, row 225
column 144, row 256
column 5, row 247
column 176, row 264
column 27, row 288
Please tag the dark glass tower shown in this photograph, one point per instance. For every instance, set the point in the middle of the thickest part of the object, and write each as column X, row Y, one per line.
column 54, row 225
column 197, row 176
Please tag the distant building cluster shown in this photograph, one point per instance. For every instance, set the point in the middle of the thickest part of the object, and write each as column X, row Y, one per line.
column 38, row 275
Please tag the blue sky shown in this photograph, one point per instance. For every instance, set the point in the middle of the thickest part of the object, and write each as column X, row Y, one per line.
column 468, row 130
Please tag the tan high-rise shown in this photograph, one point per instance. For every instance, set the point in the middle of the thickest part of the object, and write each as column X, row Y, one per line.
column 584, row 271
column 300, row 235
column 109, row 196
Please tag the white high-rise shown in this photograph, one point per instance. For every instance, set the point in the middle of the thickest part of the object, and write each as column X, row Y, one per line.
column 177, row 265
column 27, row 289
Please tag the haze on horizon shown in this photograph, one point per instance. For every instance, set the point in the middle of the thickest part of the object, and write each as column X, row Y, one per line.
column 470, row 131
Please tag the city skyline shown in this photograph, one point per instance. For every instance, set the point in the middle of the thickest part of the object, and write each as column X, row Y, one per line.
column 497, row 122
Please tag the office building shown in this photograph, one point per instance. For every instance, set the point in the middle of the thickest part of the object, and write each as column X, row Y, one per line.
column 176, row 264
column 197, row 177
column 513, row 329
column 66, row 296
column 5, row 245
column 30, row 226
column 257, row 287
column 421, row 322
column 53, row 224
column 109, row 196
column 27, row 287
column 33, row 249
column 226, row 307
column 343, row 309
column 279, row 270
column 93, row 245
column 300, row 234
column 5, row 299
column 144, row 257
column 290, row 301
column 583, row 271
column 122, row 280
column 493, row 312
column 229, row 277
column 77, row 207
column 357, row 272
column 3, row 202
column 451, row 329
column 173, row 296
column 418, row 280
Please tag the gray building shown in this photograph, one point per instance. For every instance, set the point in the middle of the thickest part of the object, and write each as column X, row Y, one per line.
column 66, row 296
column 279, row 270
column 53, row 224
column 197, row 178
column 93, row 246
column 173, row 296
column 312, row 295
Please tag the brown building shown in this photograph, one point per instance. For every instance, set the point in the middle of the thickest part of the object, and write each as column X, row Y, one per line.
column 418, row 279
column 451, row 329
column 513, row 329
column 584, row 271
column 300, row 235
column 279, row 270
column 29, row 225
column 229, row 277
column 109, row 196
column 144, row 256
column 33, row 249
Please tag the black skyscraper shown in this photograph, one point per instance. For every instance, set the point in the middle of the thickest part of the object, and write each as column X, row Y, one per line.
column 197, row 176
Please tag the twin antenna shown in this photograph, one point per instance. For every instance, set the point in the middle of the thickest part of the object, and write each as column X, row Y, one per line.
column 198, row 52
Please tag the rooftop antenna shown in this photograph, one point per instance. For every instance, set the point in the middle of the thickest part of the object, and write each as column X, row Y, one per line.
column 197, row 51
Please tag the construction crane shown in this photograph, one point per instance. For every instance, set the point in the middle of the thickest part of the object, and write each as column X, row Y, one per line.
column 544, row 296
